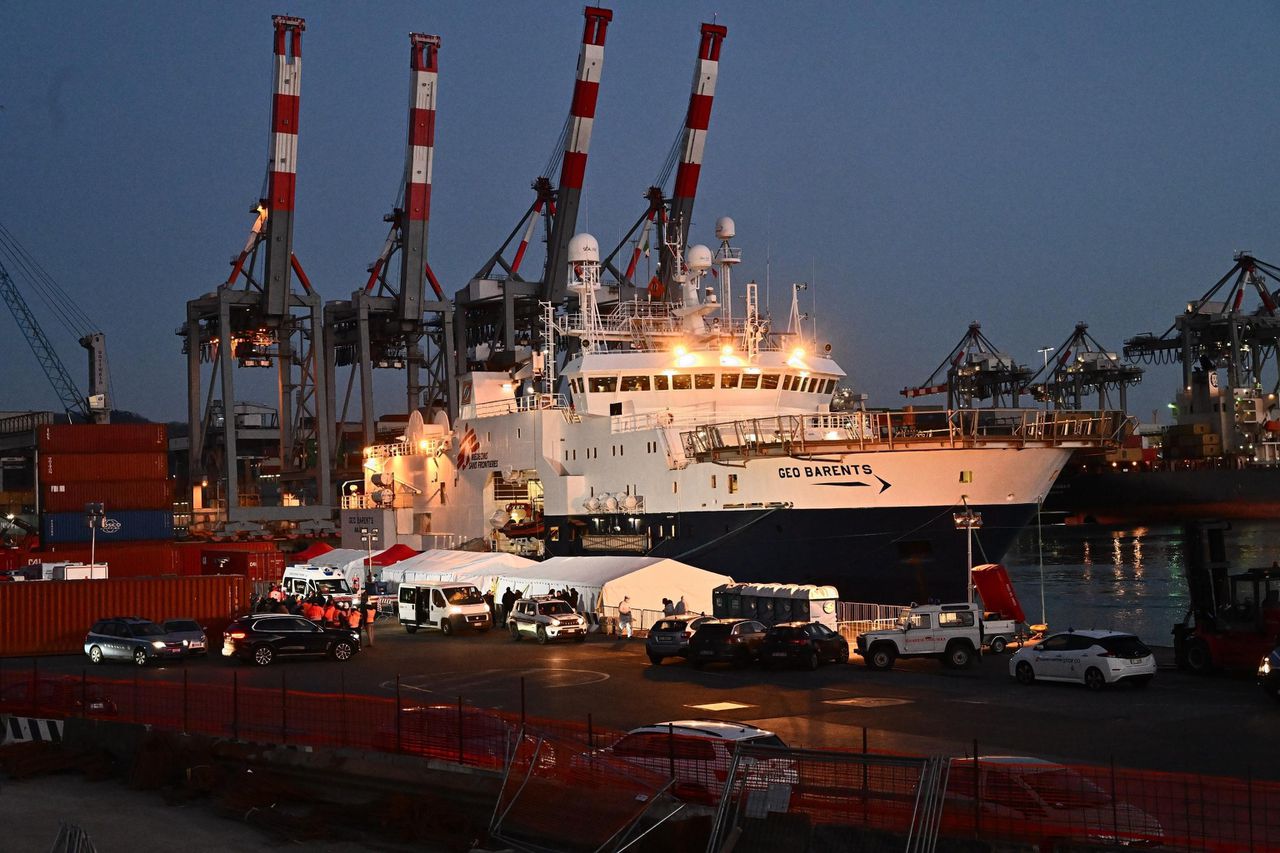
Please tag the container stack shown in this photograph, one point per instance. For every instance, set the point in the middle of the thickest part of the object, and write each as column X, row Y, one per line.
column 124, row 467
column 1192, row 441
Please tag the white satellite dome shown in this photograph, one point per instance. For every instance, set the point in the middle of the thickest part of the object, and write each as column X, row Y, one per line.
column 583, row 248
column 630, row 502
column 591, row 504
column 610, row 503
column 699, row 258
column 725, row 229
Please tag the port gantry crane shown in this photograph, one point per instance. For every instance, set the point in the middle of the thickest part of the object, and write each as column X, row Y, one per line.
column 498, row 314
column 675, row 213
column 387, row 323
column 257, row 318
column 1216, row 331
column 975, row 370
column 96, row 407
column 1083, row 366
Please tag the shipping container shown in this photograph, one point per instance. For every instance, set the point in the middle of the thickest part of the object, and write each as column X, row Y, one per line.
column 126, row 526
column 103, row 438
column 188, row 554
column 52, row 617
column 126, row 559
column 121, row 495
column 102, row 467
column 255, row 565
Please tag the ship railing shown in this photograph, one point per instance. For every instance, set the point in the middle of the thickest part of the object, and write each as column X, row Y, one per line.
column 422, row 447
column 785, row 434
column 400, row 500
column 524, row 403
column 685, row 416
column 25, row 422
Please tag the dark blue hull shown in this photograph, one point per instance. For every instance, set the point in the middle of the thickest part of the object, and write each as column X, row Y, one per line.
column 891, row 556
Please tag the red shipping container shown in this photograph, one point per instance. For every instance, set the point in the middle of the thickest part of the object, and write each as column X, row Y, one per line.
column 256, row 566
column 103, row 438
column 124, row 559
column 102, row 467
column 52, row 617
column 121, row 495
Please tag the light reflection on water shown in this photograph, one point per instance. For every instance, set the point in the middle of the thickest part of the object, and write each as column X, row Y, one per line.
column 1140, row 586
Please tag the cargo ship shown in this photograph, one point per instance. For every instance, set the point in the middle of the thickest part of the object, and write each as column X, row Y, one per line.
column 672, row 428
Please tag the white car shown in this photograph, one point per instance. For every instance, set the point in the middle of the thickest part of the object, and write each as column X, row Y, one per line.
column 1093, row 658
column 699, row 754
column 545, row 618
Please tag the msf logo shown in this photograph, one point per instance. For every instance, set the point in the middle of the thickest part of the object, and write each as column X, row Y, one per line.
column 468, row 445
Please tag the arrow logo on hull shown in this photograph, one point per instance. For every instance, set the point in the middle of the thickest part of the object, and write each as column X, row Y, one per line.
column 884, row 484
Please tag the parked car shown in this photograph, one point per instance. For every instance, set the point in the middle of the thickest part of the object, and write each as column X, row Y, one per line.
column 805, row 643
column 1034, row 795
column 670, row 637
column 130, row 638
column 699, row 753
column 952, row 633
column 546, row 618
column 263, row 637
column 1094, row 658
column 443, row 606
column 1269, row 674
column 188, row 632
column 736, row 641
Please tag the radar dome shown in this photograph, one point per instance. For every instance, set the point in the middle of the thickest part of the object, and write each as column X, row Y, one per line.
column 583, row 248
column 699, row 258
column 725, row 229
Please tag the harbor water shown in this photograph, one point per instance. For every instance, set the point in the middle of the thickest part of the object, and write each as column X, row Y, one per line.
column 1122, row 578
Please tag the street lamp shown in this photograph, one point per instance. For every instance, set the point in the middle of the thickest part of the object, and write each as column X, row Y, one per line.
column 369, row 535
column 968, row 520
column 1046, row 352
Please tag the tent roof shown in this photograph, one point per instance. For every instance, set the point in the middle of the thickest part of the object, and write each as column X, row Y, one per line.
column 394, row 554
column 312, row 551
column 338, row 557
column 597, row 571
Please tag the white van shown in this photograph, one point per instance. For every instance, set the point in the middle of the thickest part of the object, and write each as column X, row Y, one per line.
column 304, row 581
column 443, row 605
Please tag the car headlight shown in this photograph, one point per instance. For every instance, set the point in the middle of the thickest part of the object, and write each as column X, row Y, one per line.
column 157, row 644
column 1265, row 667
column 455, row 609
column 186, row 643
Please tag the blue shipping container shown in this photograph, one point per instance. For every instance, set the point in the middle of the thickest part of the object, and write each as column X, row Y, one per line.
column 122, row 526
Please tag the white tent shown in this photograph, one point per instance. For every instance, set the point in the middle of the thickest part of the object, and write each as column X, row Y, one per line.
column 477, row 567
column 602, row 582
column 350, row 561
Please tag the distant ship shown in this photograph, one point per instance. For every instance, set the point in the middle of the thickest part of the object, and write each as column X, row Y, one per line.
column 675, row 429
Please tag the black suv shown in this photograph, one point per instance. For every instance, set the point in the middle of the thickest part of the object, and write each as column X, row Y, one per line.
column 807, row 643
column 736, row 641
column 262, row 637
column 131, row 638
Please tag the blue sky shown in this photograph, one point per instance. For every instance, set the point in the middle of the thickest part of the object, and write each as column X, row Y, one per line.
column 923, row 164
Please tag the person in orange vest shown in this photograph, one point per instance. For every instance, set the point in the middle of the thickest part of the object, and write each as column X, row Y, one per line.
column 353, row 617
column 330, row 612
column 313, row 611
column 276, row 594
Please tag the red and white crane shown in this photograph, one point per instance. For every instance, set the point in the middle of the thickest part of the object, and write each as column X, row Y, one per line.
column 685, row 157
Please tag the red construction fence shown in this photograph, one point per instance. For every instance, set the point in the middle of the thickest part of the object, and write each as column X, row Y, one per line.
column 758, row 789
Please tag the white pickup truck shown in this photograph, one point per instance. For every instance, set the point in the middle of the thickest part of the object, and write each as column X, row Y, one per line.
column 950, row 632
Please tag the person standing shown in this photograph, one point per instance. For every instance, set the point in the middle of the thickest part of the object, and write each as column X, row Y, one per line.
column 668, row 609
column 573, row 598
column 508, row 601
column 369, row 613
column 681, row 609
column 624, row 615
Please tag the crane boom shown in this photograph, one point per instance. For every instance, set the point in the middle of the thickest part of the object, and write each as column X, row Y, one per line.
column 72, row 400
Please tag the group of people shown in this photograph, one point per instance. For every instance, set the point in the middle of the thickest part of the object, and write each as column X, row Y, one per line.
column 669, row 608
column 356, row 615
column 674, row 608
column 510, row 597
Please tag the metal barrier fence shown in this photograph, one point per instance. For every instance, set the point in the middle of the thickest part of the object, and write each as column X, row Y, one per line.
column 630, row 779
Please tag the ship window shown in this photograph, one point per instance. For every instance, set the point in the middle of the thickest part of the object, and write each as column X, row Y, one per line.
column 729, row 380
column 769, row 382
column 831, row 386
column 750, row 380
column 675, row 487
column 635, row 383
column 713, row 481
column 803, row 385
column 603, row 384
column 733, row 483
column 682, row 382
column 786, row 382
column 580, row 385
column 517, row 432
column 660, row 383
column 566, row 456
column 703, row 381
column 575, row 455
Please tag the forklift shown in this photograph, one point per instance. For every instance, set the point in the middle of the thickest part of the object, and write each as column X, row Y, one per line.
column 1233, row 620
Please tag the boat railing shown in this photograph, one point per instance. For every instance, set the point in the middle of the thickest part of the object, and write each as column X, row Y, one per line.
column 422, row 447
column 682, row 417
column 787, row 434
column 524, row 403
